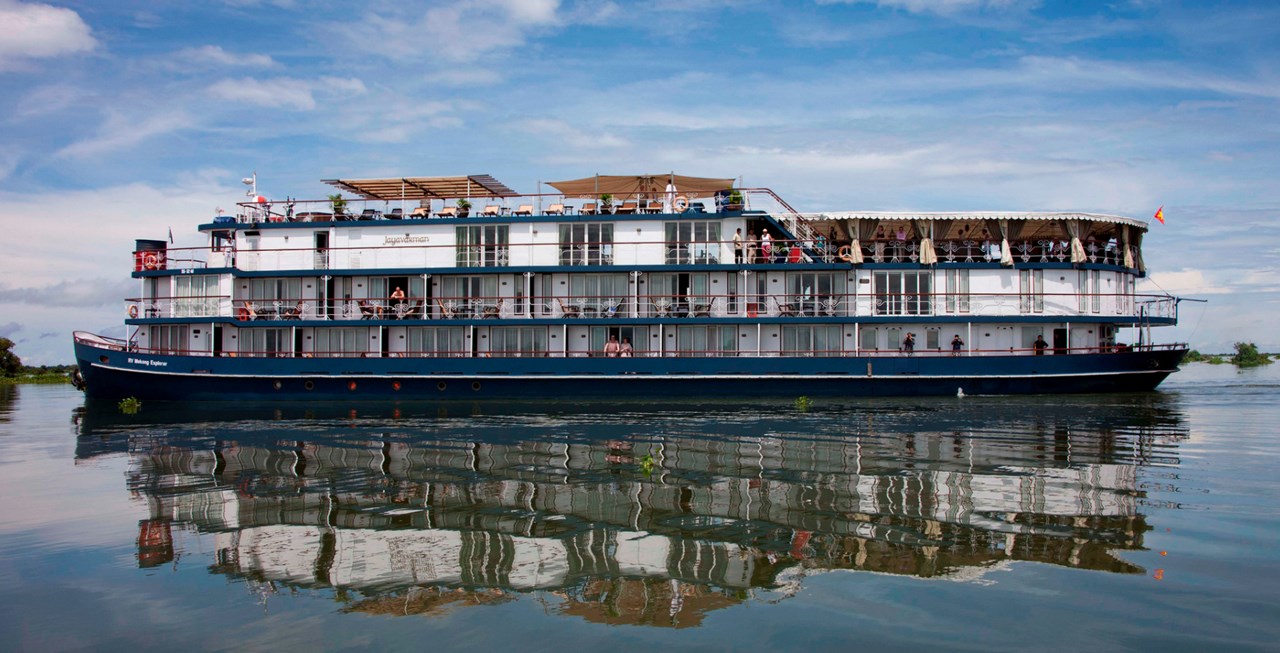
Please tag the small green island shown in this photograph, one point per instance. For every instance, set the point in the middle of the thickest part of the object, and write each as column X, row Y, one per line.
column 1247, row 355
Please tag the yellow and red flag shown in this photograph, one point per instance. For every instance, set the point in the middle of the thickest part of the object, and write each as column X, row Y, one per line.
column 1160, row 214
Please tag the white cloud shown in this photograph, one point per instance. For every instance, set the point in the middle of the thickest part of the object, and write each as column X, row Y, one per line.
column 283, row 92
column 942, row 7
column 1186, row 281
column 463, row 30
column 36, row 31
column 213, row 55
column 120, row 131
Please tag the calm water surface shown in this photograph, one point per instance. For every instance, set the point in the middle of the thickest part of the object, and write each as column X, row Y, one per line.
column 1098, row 523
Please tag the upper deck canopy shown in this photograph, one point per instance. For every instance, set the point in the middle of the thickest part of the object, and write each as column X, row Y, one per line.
column 425, row 188
column 641, row 185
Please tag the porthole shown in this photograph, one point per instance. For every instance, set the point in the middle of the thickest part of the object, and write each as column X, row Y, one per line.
column 395, row 385
column 310, row 385
column 351, row 385
column 441, row 386
column 475, row 385
column 103, row 359
column 276, row 384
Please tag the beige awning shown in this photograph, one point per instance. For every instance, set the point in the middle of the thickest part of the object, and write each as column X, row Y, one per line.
column 652, row 186
column 428, row 188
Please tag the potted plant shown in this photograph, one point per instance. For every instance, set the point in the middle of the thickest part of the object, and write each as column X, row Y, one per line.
column 464, row 207
column 606, row 203
column 734, row 201
column 338, row 204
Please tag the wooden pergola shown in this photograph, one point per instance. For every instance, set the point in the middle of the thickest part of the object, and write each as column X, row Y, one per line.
column 424, row 188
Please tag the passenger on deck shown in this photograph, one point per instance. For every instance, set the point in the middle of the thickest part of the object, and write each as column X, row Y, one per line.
column 909, row 344
column 766, row 247
column 625, row 350
column 397, row 294
column 1040, row 345
column 612, row 348
column 956, row 345
column 737, row 246
column 752, row 245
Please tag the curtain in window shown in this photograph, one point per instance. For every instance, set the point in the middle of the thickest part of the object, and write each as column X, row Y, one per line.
column 1137, row 251
column 1128, row 249
column 924, row 229
column 1001, row 228
column 1073, row 228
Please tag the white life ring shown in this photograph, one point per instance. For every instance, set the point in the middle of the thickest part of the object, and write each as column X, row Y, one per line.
column 149, row 261
column 133, row 311
column 681, row 204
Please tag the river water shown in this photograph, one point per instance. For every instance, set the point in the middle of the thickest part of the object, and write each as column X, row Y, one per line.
column 1100, row 523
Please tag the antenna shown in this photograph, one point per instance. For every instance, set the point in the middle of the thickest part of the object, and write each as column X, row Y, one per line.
column 252, row 183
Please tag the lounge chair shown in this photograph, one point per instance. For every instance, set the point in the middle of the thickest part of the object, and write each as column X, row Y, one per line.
column 524, row 209
column 420, row 212
column 555, row 209
column 294, row 313
column 491, row 211
column 489, row 312
column 369, row 214
column 369, row 311
column 629, row 207
column 251, row 312
column 590, row 208
column 446, row 311
column 568, row 311
column 448, row 212
column 700, row 310
column 395, row 214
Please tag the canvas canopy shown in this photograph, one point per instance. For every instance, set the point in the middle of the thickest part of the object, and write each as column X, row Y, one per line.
column 424, row 188
column 651, row 186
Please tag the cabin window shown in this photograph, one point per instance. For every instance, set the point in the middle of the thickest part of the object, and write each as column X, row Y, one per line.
column 437, row 342
column 483, row 246
column 336, row 342
column 637, row 336
column 381, row 288
column 195, row 296
column 903, row 293
column 465, row 293
column 811, row 340
column 264, row 342
column 868, row 339
column 587, row 243
column 692, row 242
column 1090, row 292
column 709, row 341
column 680, row 293
column 1031, row 291
column 171, row 339
column 269, row 291
column 518, row 341
column 602, row 293
column 813, row 293
column 957, row 298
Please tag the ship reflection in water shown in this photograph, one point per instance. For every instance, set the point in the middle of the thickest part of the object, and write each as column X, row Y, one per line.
column 618, row 514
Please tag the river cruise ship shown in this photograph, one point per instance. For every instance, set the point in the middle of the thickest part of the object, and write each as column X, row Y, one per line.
column 628, row 286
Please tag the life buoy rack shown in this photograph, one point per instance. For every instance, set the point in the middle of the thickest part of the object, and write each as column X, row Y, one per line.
column 133, row 311
column 150, row 261
column 845, row 254
column 681, row 204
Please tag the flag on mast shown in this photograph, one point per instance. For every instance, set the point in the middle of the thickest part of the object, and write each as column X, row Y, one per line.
column 170, row 235
column 1160, row 214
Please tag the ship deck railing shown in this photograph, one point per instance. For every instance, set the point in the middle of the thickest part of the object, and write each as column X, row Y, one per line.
column 609, row 253
column 638, row 352
column 799, row 304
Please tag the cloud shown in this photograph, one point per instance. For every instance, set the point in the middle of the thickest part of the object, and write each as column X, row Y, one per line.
column 942, row 7
column 453, row 31
column 37, row 31
column 213, row 55
column 119, row 132
column 1186, row 281
column 71, row 294
column 283, row 92
column 8, row 329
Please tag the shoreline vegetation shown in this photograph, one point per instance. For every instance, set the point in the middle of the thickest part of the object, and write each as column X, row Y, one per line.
column 1246, row 355
column 41, row 375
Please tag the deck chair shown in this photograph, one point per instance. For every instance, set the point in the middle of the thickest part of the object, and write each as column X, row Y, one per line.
column 420, row 212
column 590, row 208
column 700, row 310
column 294, row 313
column 491, row 210
column 555, row 209
column 629, row 207
column 369, row 214
column 524, row 209
column 449, row 212
column 445, row 311
column 653, row 206
column 395, row 214
column 368, row 311
column 568, row 311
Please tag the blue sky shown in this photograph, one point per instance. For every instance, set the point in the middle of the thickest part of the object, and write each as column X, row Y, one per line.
column 121, row 119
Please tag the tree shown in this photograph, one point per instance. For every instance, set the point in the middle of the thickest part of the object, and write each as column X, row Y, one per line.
column 1247, row 355
column 10, row 364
